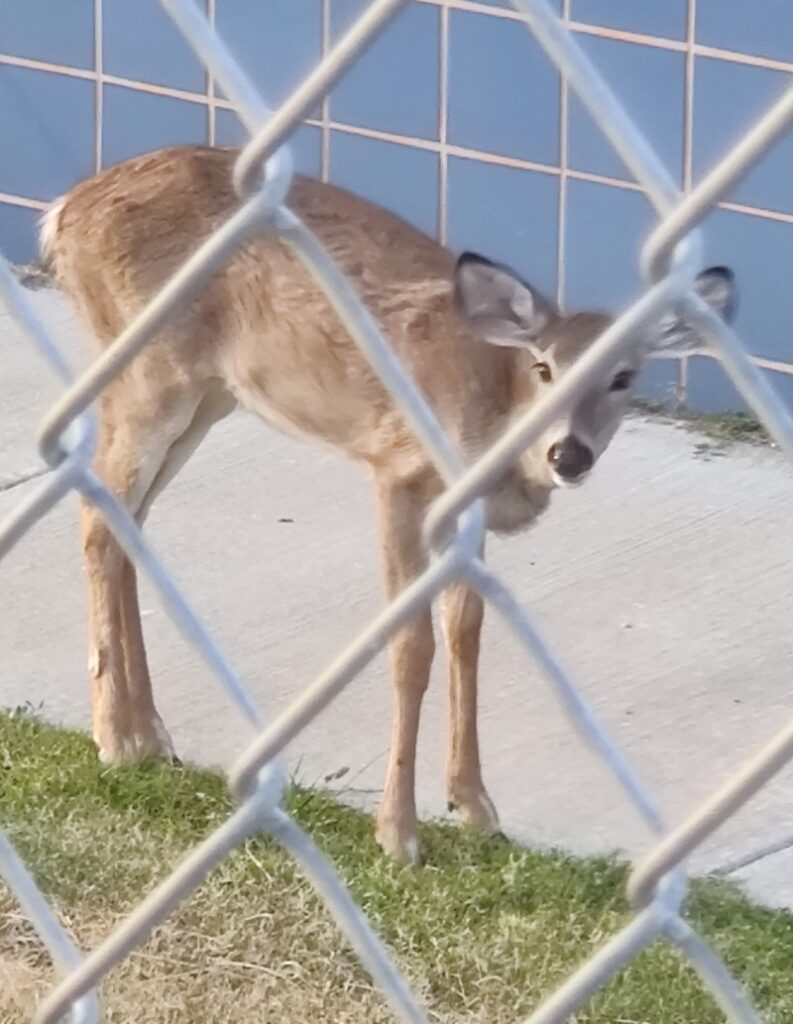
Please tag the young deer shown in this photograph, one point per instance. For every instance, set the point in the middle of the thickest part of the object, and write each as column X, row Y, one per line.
column 479, row 342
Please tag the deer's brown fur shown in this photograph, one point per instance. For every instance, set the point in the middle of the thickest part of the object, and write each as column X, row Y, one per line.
column 263, row 336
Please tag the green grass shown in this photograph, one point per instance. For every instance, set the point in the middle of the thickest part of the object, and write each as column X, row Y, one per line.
column 484, row 929
column 719, row 431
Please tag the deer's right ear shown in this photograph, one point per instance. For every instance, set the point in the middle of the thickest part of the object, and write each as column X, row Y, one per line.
column 675, row 336
column 504, row 309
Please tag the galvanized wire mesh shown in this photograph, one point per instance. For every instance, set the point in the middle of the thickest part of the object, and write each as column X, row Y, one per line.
column 670, row 260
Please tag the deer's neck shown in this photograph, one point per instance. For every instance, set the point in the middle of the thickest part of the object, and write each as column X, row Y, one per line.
column 515, row 503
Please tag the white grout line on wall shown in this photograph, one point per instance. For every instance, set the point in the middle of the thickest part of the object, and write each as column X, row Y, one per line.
column 759, row 361
column 734, row 57
column 755, row 211
column 42, row 65
column 688, row 108
column 510, row 14
column 414, row 142
column 580, row 27
column 433, row 145
column 28, row 204
column 98, row 83
column 688, row 150
column 561, row 228
column 772, row 364
column 211, row 87
column 640, row 38
column 443, row 125
column 167, row 91
column 325, row 123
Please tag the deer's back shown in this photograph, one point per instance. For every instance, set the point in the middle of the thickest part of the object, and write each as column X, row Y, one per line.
column 262, row 323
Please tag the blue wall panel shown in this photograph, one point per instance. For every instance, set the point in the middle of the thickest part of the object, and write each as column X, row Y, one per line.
column 508, row 215
column 666, row 18
column 18, row 232
column 605, row 229
column 502, row 119
column 134, row 122
column 28, row 29
column 276, row 42
column 394, row 86
column 761, row 253
column 305, row 143
column 47, row 128
column 141, row 42
column 728, row 100
column 650, row 84
column 404, row 180
column 763, row 28
column 503, row 90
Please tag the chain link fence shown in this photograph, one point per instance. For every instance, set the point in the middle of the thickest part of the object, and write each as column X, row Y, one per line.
column 671, row 259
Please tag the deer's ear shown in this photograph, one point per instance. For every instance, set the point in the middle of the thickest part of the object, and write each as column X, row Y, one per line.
column 675, row 336
column 503, row 308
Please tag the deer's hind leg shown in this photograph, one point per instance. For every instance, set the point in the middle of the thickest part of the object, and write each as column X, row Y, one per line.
column 135, row 446
column 150, row 736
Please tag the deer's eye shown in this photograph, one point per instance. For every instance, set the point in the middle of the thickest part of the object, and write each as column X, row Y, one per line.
column 622, row 381
column 543, row 371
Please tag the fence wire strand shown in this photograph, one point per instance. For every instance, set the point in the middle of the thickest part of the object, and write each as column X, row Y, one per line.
column 670, row 259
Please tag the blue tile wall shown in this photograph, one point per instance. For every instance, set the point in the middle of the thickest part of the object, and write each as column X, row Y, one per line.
column 140, row 42
column 306, row 142
column 728, row 99
column 709, row 388
column 18, row 233
column 605, row 228
column 503, row 102
column 555, row 4
column 47, row 124
column 666, row 18
column 506, row 214
column 28, row 29
column 503, row 90
column 763, row 28
column 760, row 252
column 277, row 42
column 404, row 180
column 395, row 85
column 650, row 82
column 659, row 381
column 134, row 122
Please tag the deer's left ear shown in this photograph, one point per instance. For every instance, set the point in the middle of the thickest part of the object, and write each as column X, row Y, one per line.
column 674, row 336
column 502, row 307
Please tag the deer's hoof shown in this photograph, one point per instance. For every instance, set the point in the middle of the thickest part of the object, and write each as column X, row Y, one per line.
column 151, row 740
column 114, row 750
column 145, row 740
column 475, row 808
column 400, row 843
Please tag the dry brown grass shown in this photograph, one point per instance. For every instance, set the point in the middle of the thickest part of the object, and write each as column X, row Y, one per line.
column 483, row 930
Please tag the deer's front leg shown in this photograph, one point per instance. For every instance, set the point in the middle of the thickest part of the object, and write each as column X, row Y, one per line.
column 411, row 652
column 462, row 612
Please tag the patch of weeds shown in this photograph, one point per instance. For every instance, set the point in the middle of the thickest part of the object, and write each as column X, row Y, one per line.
column 718, row 431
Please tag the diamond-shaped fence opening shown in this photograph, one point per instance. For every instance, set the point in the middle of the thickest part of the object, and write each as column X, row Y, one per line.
column 262, row 176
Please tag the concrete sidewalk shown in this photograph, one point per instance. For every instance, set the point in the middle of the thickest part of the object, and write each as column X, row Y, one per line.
column 664, row 585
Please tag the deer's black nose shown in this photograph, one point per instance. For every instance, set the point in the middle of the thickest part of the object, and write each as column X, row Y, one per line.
column 570, row 459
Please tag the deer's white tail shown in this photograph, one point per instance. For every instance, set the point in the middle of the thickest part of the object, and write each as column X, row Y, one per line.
column 48, row 229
